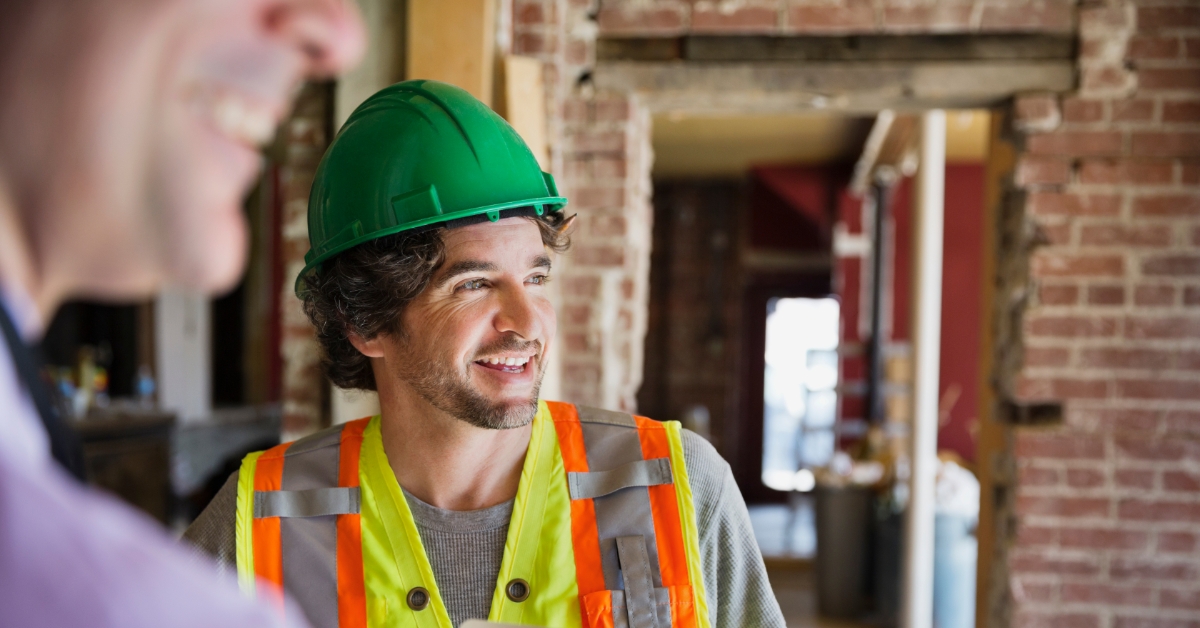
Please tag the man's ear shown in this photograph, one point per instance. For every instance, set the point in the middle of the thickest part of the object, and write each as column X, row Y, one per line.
column 372, row 348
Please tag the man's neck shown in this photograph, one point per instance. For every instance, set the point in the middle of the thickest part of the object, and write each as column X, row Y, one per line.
column 446, row 462
column 19, row 277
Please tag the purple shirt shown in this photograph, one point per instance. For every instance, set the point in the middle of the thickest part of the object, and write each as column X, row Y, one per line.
column 71, row 556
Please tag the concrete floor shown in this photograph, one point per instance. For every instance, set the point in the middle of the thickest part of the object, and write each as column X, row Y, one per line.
column 792, row 581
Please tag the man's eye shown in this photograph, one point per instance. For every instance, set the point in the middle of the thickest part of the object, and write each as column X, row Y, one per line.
column 538, row 279
column 473, row 284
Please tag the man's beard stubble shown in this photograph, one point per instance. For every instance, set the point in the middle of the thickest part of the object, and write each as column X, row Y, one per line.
column 437, row 383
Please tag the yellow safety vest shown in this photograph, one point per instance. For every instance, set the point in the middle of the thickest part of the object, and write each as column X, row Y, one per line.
column 603, row 530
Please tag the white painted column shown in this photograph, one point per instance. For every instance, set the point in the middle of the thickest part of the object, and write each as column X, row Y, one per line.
column 183, row 353
column 917, row 605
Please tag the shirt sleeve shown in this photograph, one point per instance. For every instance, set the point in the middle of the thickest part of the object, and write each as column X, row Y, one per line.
column 735, row 579
column 70, row 556
column 214, row 532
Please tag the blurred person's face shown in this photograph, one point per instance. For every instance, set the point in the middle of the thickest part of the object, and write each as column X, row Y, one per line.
column 129, row 128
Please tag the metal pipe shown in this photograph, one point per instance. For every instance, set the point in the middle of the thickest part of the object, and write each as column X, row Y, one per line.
column 880, row 199
column 917, row 604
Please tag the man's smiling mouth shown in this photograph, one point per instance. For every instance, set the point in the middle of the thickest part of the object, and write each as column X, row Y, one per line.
column 509, row 364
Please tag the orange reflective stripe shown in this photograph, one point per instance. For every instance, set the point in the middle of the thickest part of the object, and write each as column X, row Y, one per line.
column 352, row 596
column 589, row 574
column 268, row 556
column 664, row 506
column 598, row 609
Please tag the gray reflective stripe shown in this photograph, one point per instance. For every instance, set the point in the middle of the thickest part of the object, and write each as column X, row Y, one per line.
column 662, row 600
column 639, row 589
column 636, row 473
column 315, row 502
column 596, row 415
column 308, row 543
column 624, row 513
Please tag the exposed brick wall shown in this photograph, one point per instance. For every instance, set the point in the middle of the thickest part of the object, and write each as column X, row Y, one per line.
column 600, row 155
column 305, row 135
column 825, row 17
column 1107, row 503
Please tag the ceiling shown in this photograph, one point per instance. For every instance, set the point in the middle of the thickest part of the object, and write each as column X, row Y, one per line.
column 690, row 145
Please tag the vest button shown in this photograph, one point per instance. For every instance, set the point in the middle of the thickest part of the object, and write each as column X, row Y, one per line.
column 418, row 598
column 517, row 590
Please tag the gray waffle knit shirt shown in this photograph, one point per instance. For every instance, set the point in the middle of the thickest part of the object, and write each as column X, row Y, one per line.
column 465, row 548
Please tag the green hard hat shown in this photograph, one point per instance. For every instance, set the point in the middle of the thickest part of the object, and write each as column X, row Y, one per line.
column 416, row 154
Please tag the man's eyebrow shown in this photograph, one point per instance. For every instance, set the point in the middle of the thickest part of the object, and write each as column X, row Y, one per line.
column 541, row 261
column 463, row 267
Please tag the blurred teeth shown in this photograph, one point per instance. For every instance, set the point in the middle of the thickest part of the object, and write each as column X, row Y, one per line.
column 241, row 120
column 507, row 361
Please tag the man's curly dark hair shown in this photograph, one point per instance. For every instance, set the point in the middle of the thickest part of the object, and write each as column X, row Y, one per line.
column 364, row 290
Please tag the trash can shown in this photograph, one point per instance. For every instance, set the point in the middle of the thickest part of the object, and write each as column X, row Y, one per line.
column 955, row 551
column 844, row 516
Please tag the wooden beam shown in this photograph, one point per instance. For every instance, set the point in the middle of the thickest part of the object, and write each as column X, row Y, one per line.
column 521, row 99
column 949, row 47
column 453, row 41
column 841, row 86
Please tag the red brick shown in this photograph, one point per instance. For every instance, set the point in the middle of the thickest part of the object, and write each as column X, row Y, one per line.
column 1113, row 171
column 1168, row 79
column 599, row 256
column 1154, row 295
column 1166, row 144
column 1033, row 536
column 1112, row 419
column 1176, row 542
column 1063, row 204
column 534, row 44
column 1106, row 295
column 597, row 141
column 1042, row 619
column 1084, row 478
column 1046, row 356
column 586, row 287
column 608, row 168
column 1157, row 389
column 577, row 314
column 534, row 13
column 930, row 18
column 598, row 197
column 1132, row 110
column 1042, row 17
column 610, row 109
column 1059, row 234
column 1191, row 47
column 1082, row 110
column 1058, row 265
column 1181, row 205
column 1189, row 360
column 1063, row 447
column 1191, row 295
column 1132, row 621
column 1151, row 449
column 1151, row 569
column 577, row 342
column 1037, row 112
column 1180, row 481
column 855, row 17
column 742, row 19
column 1124, row 358
column 1174, row 265
column 1070, row 326
column 1180, row 598
column 1037, row 476
column 1134, row 478
column 1069, row 507
column 1043, row 171
column 1105, row 78
column 607, row 225
column 1191, row 172
column 1154, row 18
column 1031, row 590
column 1106, row 594
column 1153, row 48
column 1076, row 143
column 1181, row 111
column 1040, row 388
column 1055, row 294
column 1039, row 562
column 1125, row 235
column 661, row 18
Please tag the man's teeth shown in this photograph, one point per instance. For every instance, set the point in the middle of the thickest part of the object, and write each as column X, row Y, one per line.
column 242, row 120
column 507, row 361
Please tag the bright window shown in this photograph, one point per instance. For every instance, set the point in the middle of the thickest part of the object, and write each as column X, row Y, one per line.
column 800, row 390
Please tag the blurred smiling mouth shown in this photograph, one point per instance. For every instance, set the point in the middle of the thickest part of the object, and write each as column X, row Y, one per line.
column 244, row 120
column 509, row 364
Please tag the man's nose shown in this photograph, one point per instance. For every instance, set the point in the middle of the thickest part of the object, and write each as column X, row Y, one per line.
column 330, row 33
column 518, row 315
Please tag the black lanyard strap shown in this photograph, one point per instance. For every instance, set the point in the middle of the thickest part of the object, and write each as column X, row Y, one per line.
column 64, row 445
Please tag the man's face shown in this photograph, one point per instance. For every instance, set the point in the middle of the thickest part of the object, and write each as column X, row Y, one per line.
column 474, row 342
column 133, row 126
